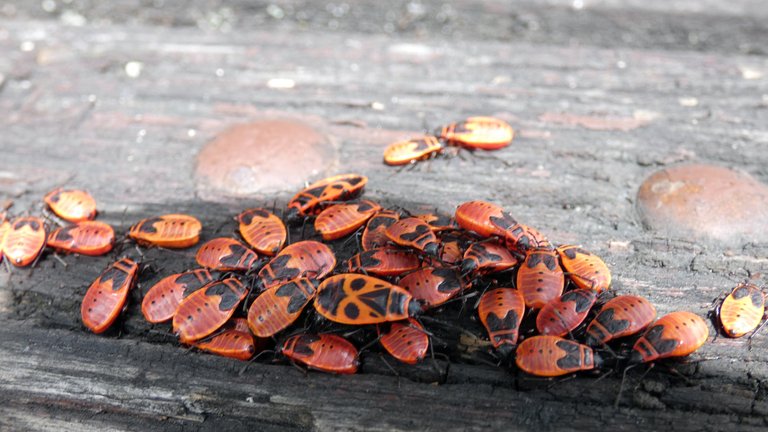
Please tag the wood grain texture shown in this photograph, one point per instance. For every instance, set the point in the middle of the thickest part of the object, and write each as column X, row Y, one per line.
column 600, row 98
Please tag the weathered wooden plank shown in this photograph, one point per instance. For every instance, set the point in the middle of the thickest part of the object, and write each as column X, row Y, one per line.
column 163, row 387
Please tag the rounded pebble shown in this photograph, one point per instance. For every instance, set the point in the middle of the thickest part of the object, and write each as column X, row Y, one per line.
column 705, row 202
column 262, row 157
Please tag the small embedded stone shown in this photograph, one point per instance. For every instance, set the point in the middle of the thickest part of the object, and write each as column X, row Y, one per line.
column 705, row 202
column 262, row 157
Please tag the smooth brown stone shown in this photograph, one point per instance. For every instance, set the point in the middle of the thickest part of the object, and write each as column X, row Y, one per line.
column 705, row 202
column 262, row 157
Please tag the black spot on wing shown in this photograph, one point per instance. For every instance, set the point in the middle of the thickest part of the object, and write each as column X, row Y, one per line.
column 654, row 337
column 117, row 276
column 351, row 311
column 419, row 230
column 298, row 299
column 365, row 206
column 757, row 299
column 280, row 269
column 570, row 253
column 191, row 282
column 315, row 192
column 495, row 324
column 357, row 284
column 740, row 292
column 229, row 298
column 381, row 220
column 354, row 180
column 33, row 224
column 369, row 259
column 55, row 197
column 148, row 225
column 612, row 325
column 246, row 217
column 303, row 347
column 504, row 222
column 572, row 359
column 523, row 243
column 64, row 234
column 550, row 262
column 595, row 335
column 376, row 300
column 583, row 299
column 236, row 254
column 533, row 260
column 330, row 297
column 450, row 280
column 259, row 212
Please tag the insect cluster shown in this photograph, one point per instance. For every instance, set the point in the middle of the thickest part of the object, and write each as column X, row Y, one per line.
column 23, row 239
column 473, row 133
column 547, row 306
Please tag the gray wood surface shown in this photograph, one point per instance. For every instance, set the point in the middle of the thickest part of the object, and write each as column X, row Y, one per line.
column 601, row 97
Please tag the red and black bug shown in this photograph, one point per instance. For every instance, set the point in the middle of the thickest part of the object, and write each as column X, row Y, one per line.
column 356, row 299
column 260, row 228
column 226, row 254
column 562, row 315
column 487, row 257
column 585, row 269
column 374, row 234
column 522, row 239
column 432, row 286
column 540, row 278
column 452, row 246
column 280, row 306
column 168, row 231
column 323, row 352
column 162, row 300
column 71, row 204
column 304, row 258
column 235, row 341
column 24, row 240
column 340, row 187
column 484, row 133
column 385, row 261
column 482, row 218
column 412, row 150
column 674, row 335
column 414, row 233
column 550, row 356
column 107, row 295
column 438, row 222
column 206, row 310
column 406, row 341
column 501, row 312
column 341, row 220
column 91, row 238
column 621, row 316
column 742, row 311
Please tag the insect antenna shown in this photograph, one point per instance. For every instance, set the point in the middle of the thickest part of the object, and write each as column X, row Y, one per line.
column 59, row 259
column 444, row 373
column 603, row 376
column 754, row 332
column 624, row 378
column 370, row 344
column 253, row 359
column 354, row 236
column 389, row 366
